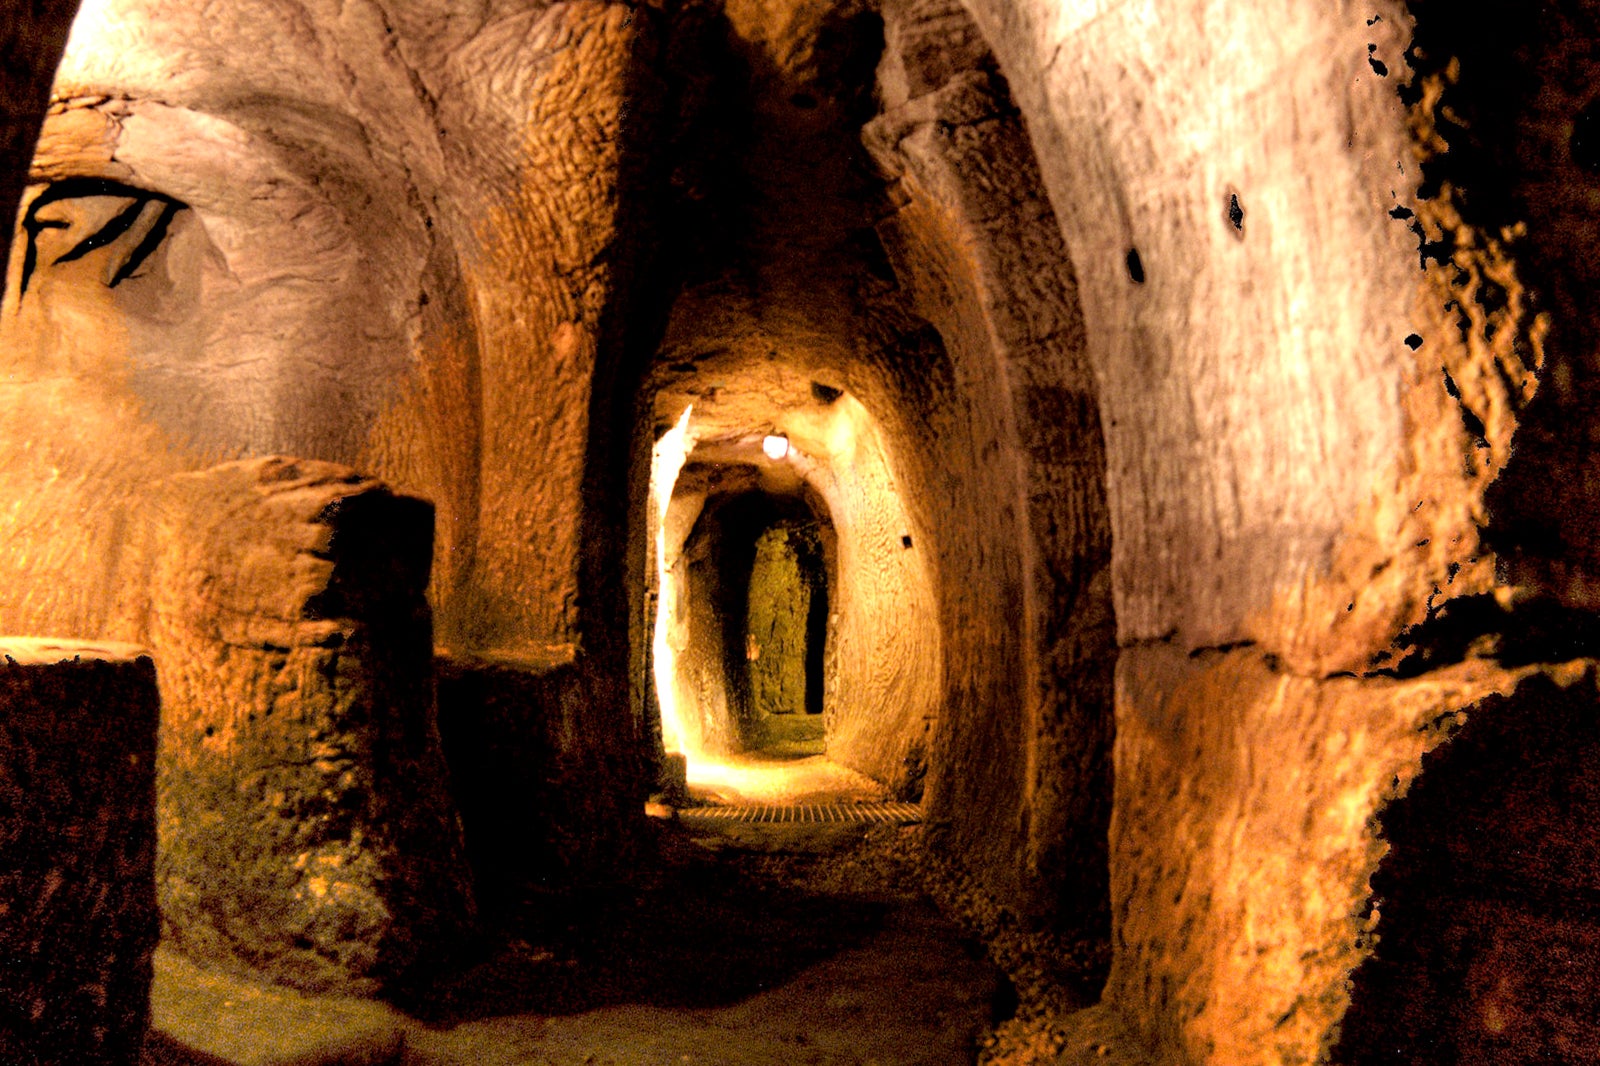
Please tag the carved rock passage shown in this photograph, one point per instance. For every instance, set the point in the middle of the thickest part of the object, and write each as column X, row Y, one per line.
column 304, row 824
column 1028, row 624
column 77, row 851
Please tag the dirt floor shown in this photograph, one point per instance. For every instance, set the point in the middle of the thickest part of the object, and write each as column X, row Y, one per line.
column 740, row 944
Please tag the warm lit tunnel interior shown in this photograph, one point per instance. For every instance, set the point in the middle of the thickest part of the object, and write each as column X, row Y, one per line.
column 795, row 650
column 762, row 531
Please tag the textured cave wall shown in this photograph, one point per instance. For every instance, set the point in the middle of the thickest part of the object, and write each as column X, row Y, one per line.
column 1512, row 147
column 1269, row 431
column 1024, row 759
column 927, row 285
column 393, row 249
column 882, row 672
column 785, row 317
column 886, row 655
column 392, row 238
column 1310, row 362
column 1489, row 953
column 715, row 698
column 1496, row 837
column 305, row 827
column 788, row 597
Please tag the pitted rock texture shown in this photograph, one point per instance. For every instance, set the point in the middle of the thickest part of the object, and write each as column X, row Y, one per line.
column 78, row 917
column 1245, row 842
column 972, row 246
column 305, row 826
column 392, row 244
column 1254, row 337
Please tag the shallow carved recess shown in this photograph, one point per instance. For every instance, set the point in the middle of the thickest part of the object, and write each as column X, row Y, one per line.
column 305, row 826
column 77, row 851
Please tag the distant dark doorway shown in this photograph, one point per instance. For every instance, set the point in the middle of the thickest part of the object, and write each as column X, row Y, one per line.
column 785, row 634
column 752, row 660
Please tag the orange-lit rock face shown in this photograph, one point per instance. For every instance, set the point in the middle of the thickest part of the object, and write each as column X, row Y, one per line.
column 883, row 675
column 363, row 240
column 1130, row 313
column 305, row 825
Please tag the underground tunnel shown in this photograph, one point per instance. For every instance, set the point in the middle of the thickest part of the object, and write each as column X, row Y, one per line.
column 744, row 531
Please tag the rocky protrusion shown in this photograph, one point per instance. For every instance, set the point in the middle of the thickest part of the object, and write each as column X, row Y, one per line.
column 306, row 830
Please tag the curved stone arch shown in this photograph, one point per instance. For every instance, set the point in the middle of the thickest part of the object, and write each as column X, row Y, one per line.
column 972, row 240
column 883, row 674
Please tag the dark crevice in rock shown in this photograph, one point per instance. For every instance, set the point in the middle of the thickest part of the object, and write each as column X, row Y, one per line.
column 1531, row 631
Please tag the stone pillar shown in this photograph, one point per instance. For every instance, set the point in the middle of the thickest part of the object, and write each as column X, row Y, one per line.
column 77, row 851
column 306, row 829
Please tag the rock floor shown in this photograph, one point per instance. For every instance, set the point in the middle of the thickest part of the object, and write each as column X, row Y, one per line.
column 739, row 944
column 773, row 944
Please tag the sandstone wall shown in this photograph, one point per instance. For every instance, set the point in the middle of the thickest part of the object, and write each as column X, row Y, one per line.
column 387, row 246
column 385, row 238
column 306, row 830
column 1311, row 360
column 1024, row 757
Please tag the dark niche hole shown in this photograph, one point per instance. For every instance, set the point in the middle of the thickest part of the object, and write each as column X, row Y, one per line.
column 1235, row 214
column 824, row 393
column 905, row 540
column 1135, row 266
column 1379, row 67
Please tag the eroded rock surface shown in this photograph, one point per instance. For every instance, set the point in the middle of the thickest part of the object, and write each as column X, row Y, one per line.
column 305, row 826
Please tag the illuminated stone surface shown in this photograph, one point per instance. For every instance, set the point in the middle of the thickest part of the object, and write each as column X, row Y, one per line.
column 1198, row 396
column 305, row 828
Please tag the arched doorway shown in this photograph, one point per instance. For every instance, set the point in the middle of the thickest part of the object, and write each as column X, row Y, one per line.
column 786, row 629
column 758, row 581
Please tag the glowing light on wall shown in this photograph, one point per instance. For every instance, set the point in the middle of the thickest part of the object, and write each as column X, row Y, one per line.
column 666, row 460
column 776, row 446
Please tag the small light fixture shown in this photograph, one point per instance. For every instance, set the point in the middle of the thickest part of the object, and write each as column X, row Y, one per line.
column 776, row 446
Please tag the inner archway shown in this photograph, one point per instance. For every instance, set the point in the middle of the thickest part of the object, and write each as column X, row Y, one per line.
column 793, row 612
column 785, row 630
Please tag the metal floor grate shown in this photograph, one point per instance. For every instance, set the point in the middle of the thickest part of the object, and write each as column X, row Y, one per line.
column 808, row 814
